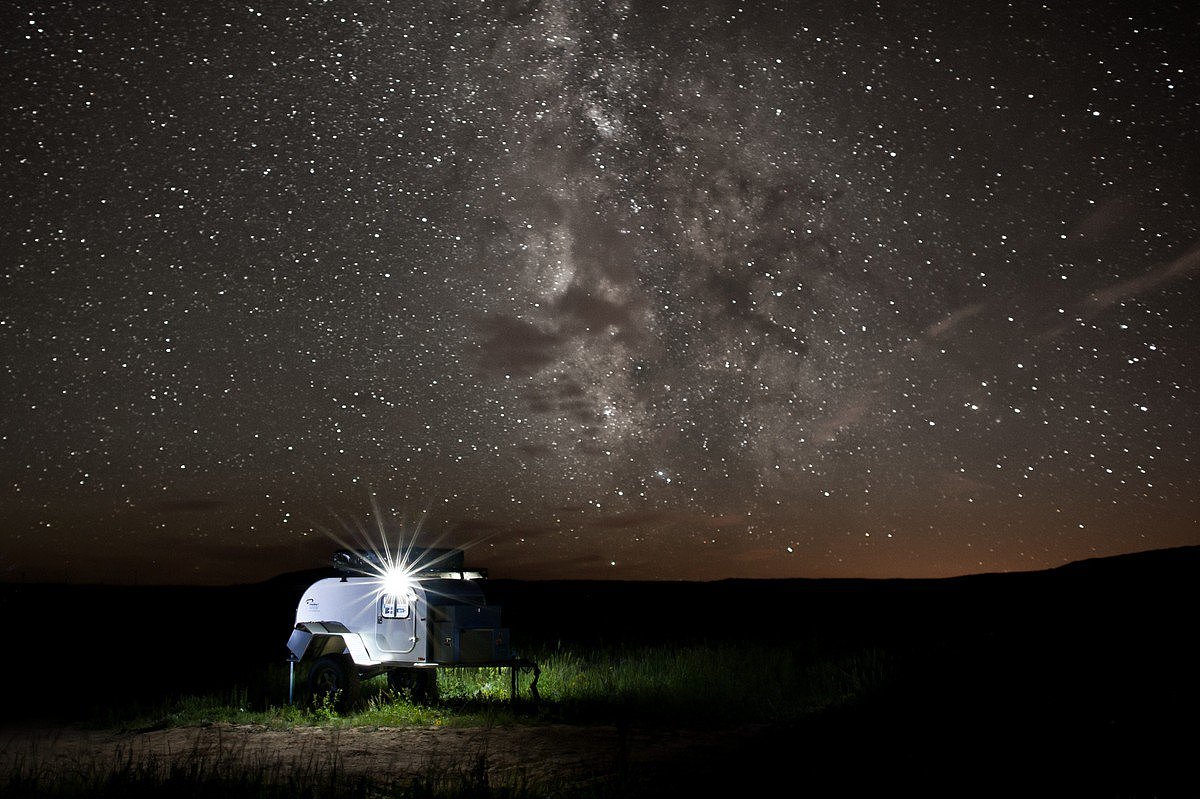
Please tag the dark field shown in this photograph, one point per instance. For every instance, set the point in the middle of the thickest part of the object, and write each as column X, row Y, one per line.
column 1079, row 680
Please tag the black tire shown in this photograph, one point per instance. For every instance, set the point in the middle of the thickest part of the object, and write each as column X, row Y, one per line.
column 419, row 684
column 333, row 676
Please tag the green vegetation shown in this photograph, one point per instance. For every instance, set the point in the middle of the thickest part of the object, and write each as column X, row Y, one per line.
column 381, row 708
column 698, row 683
column 652, row 685
column 669, row 685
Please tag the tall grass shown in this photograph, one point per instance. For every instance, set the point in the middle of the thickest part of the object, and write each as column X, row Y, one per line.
column 730, row 683
column 653, row 684
column 662, row 685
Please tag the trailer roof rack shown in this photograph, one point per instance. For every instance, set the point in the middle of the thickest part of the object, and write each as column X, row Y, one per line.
column 422, row 562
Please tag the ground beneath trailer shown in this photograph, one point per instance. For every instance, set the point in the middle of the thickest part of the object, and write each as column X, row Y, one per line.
column 549, row 754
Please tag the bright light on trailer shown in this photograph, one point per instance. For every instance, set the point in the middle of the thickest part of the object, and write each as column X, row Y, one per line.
column 396, row 581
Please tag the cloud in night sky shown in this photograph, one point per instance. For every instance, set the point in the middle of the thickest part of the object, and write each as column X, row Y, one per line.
column 1182, row 267
column 882, row 291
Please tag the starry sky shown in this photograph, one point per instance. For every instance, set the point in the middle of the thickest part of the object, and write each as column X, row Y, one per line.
column 631, row 290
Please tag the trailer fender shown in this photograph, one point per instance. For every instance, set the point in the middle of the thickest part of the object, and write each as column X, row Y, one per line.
column 298, row 642
column 312, row 640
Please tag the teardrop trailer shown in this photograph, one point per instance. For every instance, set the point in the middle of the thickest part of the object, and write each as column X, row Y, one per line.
column 384, row 616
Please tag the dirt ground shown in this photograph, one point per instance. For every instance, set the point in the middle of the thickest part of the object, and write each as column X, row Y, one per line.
column 530, row 753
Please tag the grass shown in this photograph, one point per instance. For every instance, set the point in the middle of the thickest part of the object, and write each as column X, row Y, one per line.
column 671, row 685
column 652, row 685
column 381, row 708
column 703, row 684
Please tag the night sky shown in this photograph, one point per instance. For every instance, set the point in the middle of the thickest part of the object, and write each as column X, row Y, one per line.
column 622, row 290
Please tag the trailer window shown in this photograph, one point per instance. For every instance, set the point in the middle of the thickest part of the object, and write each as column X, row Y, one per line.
column 394, row 606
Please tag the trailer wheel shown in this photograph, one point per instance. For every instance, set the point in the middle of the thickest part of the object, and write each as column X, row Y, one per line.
column 333, row 676
column 420, row 684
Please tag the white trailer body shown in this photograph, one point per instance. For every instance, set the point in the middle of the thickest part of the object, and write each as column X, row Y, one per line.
column 385, row 616
column 426, row 623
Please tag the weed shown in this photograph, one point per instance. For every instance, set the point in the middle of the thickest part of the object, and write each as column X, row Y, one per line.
column 324, row 708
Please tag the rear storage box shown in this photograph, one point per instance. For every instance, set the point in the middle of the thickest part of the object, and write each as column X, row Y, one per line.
column 467, row 634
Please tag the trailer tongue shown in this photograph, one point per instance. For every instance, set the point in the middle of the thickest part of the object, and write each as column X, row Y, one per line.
column 403, row 616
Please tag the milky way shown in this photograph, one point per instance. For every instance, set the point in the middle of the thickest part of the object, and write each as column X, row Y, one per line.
column 628, row 290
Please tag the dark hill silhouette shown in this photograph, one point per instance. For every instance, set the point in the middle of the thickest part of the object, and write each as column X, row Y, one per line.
column 1154, row 563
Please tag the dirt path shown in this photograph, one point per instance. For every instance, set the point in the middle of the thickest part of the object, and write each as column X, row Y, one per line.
column 535, row 753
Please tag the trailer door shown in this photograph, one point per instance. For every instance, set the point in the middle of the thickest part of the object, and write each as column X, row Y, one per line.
column 395, row 629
